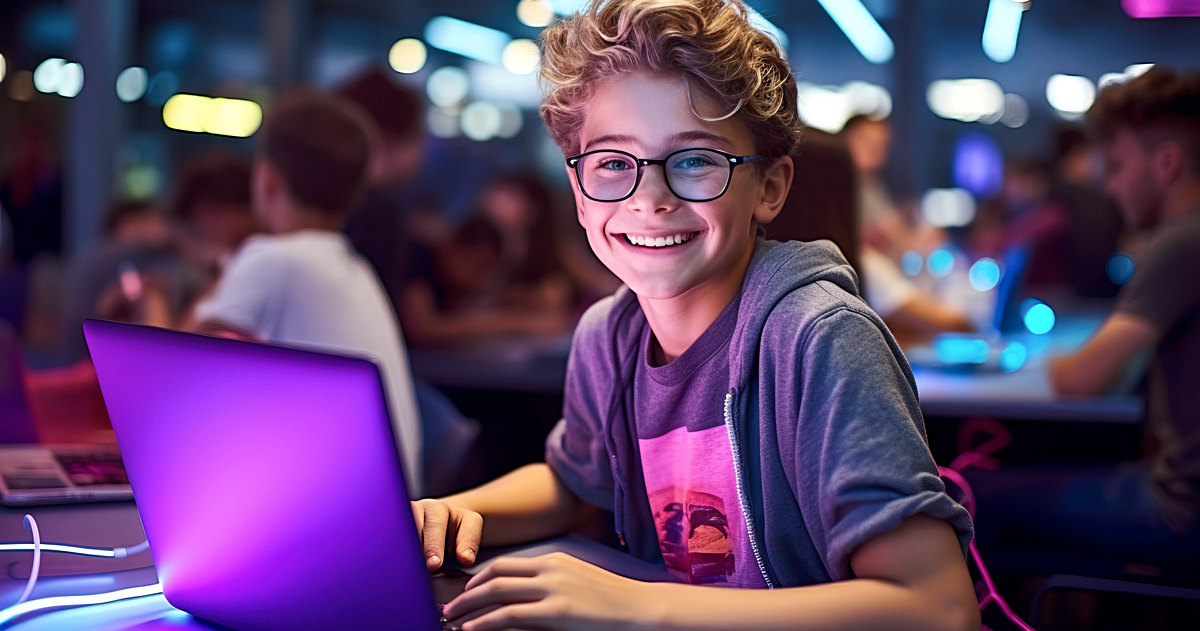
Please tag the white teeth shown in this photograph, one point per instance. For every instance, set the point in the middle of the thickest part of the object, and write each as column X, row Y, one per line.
column 658, row 242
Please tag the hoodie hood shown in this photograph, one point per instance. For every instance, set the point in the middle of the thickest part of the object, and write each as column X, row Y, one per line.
column 777, row 269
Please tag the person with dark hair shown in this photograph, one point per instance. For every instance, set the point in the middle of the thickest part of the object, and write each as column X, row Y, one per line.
column 1145, row 511
column 525, row 288
column 380, row 225
column 212, row 204
column 1095, row 228
column 303, row 283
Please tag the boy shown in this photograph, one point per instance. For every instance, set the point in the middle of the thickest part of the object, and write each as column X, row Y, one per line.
column 302, row 284
column 749, row 421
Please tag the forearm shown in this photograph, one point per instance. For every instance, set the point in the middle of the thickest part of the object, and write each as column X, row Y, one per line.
column 527, row 504
column 845, row 605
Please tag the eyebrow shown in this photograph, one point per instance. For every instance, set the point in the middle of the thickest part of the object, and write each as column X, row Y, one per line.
column 674, row 139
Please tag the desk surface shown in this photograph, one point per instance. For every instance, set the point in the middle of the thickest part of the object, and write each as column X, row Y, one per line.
column 117, row 524
column 539, row 366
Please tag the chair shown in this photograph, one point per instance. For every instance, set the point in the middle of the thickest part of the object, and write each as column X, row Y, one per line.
column 1111, row 586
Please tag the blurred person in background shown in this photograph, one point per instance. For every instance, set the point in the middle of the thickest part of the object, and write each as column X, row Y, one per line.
column 1145, row 511
column 1094, row 229
column 386, row 225
column 138, row 246
column 213, row 206
column 526, row 290
column 302, row 283
column 885, row 233
column 1025, row 213
column 31, row 193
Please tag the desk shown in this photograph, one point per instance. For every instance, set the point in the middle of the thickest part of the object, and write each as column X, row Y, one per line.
column 118, row 524
column 1025, row 394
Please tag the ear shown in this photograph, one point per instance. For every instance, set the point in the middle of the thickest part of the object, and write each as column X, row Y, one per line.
column 579, row 198
column 774, row 188
column 1167, row 162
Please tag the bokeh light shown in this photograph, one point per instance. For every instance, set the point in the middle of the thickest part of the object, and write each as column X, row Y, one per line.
column 955, row 349
column 219, row 116
column 447, row 86
column 535, row 13
column 1070, row 95
column 1013, row 357
column 912, row 262
column 978, row 164
column 984, row 274
column 1016, row 111
column 941, row 262
column 20, row 86
column 1120, row 268
column 481, row 121
column 163, row 85
column 48, row 74
column 1038, row 316
column 442, row 123
column 966, row 100
column 521, row 56
column 511, row 120
column 408, row 55
column 3, row 67
column 131, row 84
column 947, row 207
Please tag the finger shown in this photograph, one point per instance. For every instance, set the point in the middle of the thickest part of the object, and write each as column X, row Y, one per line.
column 501, row 591
column 521, row 616
column 470, row 531
column 433, row 533
column 499, row 568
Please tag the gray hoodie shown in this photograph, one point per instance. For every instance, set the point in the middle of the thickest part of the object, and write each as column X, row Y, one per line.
column 826, row 431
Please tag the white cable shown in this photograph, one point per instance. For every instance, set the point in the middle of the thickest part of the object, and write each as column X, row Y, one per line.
column 31, row 524
column 117, row 553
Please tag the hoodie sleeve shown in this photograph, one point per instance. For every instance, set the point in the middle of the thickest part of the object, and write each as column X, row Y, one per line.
column 861, row 452
column 576, row 448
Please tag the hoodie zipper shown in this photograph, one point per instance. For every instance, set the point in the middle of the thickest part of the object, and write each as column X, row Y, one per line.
column 747, row 515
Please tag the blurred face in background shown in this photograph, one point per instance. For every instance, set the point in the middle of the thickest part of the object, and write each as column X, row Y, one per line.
column 1130, row 179
column 869, row 142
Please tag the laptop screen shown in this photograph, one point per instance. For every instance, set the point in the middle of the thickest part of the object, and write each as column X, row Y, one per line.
column 267, row 480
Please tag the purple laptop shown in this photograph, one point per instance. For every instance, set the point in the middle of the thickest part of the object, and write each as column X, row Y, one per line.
column 267, row 480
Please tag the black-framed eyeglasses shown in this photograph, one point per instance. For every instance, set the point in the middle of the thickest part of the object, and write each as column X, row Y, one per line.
column 693, row 175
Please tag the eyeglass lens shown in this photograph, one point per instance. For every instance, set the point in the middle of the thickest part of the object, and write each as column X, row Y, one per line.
column 695, row 174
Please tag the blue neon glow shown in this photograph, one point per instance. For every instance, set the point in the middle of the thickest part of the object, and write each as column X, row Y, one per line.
column 941, row 262
column 30, row 606
column 1000, row 29
column 466, row 39
column 1039, row 317
column 984, row 275
column 1013, row 357
column 912, row 262
column 1120, row 268
column 860, row 26
column 960, row 350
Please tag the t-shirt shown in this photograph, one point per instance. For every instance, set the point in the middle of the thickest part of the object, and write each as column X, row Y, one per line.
column 683, row 441
column 1165, row 290
column 309, row 288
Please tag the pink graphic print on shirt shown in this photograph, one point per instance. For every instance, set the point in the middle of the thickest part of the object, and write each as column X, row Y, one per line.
column 693, row 496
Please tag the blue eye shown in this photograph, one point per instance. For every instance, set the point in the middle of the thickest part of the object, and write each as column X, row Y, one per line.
column 692, row 161
column 614, row 164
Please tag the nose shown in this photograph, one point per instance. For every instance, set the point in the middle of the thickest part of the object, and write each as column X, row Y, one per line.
column 652, row 193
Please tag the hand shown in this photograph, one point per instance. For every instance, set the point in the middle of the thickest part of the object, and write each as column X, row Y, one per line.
column 552, row 592
column 439, row 521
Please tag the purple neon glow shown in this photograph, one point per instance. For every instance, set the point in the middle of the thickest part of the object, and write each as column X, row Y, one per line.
column 1161, row 8
column 267, row 480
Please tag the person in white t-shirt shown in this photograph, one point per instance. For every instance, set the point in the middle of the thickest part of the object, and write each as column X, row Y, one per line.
column 303, row 284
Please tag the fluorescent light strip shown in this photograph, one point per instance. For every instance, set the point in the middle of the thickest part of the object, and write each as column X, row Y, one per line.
column 860, row 26
column 1001, row 28
column 467, row 39
column 12, row 613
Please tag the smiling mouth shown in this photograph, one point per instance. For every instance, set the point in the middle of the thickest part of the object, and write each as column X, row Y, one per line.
column 659, row 242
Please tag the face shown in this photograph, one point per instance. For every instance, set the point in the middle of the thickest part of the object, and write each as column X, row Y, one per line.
column 869, row 143
column 649, row 116
column 1130, row 179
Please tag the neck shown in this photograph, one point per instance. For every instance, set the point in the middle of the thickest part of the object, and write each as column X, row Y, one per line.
column 1181, row 198
column 298, row 218
column 679, row 321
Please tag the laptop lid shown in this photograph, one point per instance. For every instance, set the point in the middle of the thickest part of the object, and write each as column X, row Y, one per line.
column 267, row 480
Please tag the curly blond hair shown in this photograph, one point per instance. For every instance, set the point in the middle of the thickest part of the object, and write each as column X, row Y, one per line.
column 709, row 42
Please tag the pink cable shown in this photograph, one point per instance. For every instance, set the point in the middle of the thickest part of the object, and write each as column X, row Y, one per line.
column 981, row 456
